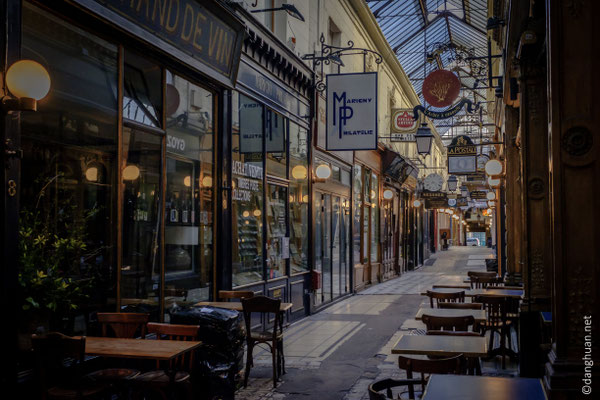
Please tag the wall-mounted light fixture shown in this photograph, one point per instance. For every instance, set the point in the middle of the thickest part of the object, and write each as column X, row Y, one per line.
column 452, row 183
column 322, row 173
column 299, row 172
column 289, row 8
column 494, row 182
column 28, row 81
column 417, row 203
column 388, row 194
column 131, row 173
column 491, row 195
column 493, row 167
column 207, row 181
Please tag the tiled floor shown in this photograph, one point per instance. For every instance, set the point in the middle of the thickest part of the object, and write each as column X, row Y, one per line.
column 330, row 351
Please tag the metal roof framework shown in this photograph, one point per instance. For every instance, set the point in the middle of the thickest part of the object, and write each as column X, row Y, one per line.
column 441, row 34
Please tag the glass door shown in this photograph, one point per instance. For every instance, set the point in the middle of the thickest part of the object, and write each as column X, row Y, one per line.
column 336, row 248
column 318, row 265
column 327, row 251
column 345, row 246
column 276, row 230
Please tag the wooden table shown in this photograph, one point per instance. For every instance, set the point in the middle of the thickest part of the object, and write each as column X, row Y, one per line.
column 437, row 345
column 475, row 292
column 463, row 387
column 149, row 349
column 236, row 305
column 478, row 315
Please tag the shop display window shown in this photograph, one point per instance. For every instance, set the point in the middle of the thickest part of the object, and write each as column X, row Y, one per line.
column 68, row 188
column 247, row 190
column 374, row 218
column 298, row 209
column 277, row 244
column 357, row 209
column 275, row 143
column 189, row 191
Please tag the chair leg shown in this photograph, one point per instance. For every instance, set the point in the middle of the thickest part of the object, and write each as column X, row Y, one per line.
column 249, row 363
column 274, row 357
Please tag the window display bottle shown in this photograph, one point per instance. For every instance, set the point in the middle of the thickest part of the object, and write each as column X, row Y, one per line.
column 184, row 211
column 174, row 211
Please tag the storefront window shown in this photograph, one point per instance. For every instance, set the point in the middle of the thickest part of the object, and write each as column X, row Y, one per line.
column 275, row 142
column 140, row 271
column 247, row 190
column 357, row 212
column 298, row 212
column 189, row 193
column 276, row 230
column 142, row 83
column 67, row 227
column 374, row 218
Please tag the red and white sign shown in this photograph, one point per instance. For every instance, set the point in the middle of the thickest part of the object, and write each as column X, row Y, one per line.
column 403, row 121
column 441, row 88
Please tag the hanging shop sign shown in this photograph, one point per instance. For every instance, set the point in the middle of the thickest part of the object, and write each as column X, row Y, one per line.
column 462, row 156
column 189, row 26
column 433, row 195
column 440, row 88
column 275, row 139
column 462, row 202
column 451, row 202
column 444, row 114
column 352, row 111
column 435, row 199
column 478, row 195
column 404, row 125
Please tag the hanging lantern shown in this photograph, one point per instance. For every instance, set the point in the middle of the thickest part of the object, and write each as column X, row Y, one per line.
column 424, row 139
column 452, row 183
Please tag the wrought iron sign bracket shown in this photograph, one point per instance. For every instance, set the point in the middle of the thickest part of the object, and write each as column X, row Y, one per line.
column 332, row 54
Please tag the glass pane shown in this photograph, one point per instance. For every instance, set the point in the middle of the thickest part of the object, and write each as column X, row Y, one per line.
column 326, row 247
column 142, row 83
column 298, row 199
column 189, row 195
column 336, row 248
column 365, row 233
column 68, row 204
column 357, row 210
column 318, row 240
column 374, row 218
column 140, row 275
column 247, row 193
column 276, row 139
column 345, row 240
column 276, row 230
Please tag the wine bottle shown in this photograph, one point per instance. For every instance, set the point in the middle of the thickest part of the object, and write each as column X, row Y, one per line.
column 174, row 216
column 184, row 211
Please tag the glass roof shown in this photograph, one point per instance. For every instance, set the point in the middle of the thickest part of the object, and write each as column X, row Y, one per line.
column 441, row 34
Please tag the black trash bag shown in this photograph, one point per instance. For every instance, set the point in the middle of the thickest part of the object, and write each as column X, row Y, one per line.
column 220, row 358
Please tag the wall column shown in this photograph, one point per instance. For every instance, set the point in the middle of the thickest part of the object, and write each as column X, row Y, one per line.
column 574, row 159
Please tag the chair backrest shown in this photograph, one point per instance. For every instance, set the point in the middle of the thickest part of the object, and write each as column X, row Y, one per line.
column 184, row 333
column 461, row 306
column 235, row 294
column 474, row 276
column 496, row 307
column 388, row 384
column 58, row 359
column 450, row 286
column 482, row 282
column 454, row 297
column 448, row 323
column 124, row 325
column 263, row 305
column 453, row 365
column 454, row 333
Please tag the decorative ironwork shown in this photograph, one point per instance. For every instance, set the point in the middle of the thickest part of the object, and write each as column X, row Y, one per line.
column 332, row 54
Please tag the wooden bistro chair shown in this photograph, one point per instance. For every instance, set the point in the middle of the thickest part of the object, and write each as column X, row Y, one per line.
column 376, row 388
column 474, row 363
column 464, row 306
column 452, row 365
column 227, row 295
column 497, row 308
column 58, row 368
column 475, row 275
column 124, row 326
column 271, row 337
column 448, row 323
column 483, row 282
column 455, row 297
column 159, row 381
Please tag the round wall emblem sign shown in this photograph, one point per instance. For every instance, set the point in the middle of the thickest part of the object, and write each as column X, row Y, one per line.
column 441, row 88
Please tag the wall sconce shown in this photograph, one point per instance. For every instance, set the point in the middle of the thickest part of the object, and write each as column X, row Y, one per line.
column 493, row 167
column 28, row 81
column 388, row 194
column 187, row 181
column 491, row 195
column 494, row 182
column 131, row 173
column 417, row 203
column 491, row 204
column 322, row 173
column 299, row 172
column 207, row 181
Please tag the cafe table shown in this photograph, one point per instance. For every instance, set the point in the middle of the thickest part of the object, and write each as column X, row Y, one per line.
column 478, row 315
column 441, row 345
column 515, row 293
column 466, row 387
column 237, row 305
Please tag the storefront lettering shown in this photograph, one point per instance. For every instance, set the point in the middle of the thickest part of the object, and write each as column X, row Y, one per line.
column 186, row 24
column 249, row 170
column 462, row 150
column 175, row 143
